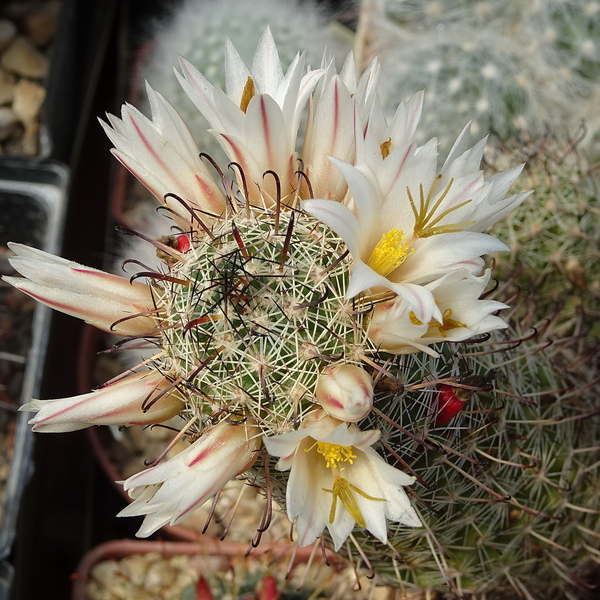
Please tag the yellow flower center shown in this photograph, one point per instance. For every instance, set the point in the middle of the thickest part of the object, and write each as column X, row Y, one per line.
column 414, row 319
column 448, row 323
column 334, row 454
column 343, row 489
column 390, row 252
column 247, row 94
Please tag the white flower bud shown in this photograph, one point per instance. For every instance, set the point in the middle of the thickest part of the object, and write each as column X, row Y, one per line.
column 345, row 392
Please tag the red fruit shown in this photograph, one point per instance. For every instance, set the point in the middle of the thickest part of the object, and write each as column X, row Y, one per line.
column 268, row 589
column 203, row 591
column 452, row 399
column 449, row 404
column 183, row 243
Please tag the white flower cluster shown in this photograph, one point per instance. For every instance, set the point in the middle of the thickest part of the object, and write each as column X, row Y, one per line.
column 414, row 234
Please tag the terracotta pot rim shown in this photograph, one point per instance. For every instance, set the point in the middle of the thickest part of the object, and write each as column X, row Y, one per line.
column 204, row 545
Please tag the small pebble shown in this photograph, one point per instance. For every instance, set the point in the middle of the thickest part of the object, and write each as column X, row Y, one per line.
column 158, row 576
column 31, row 140
column 134, row 567
column 8, row 31
column 7, row 87
column 8, row 123
column 23, row 58
column 41, row 23
column 29, row 97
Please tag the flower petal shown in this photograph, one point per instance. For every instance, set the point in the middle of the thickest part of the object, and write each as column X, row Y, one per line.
column 330, row 132
column 98, row 298
column 236, row 73
column 434, row 255
column 266, row 66
column 339, row 218
column 271, row 148
column 119, row 403
column 304, row 487
column 186, row 481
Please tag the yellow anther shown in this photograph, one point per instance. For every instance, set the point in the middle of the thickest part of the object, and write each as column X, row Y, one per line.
column 385, row 148
column 424, row 216
column 414, row 319
column 343, row 489
column 334, row 454
column 390, row 252
column 448, row 323
column 247, row 94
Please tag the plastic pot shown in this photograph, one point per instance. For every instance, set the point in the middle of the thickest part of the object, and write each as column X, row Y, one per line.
column 32, row 205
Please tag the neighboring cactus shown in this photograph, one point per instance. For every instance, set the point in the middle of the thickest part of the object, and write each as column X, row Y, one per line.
column 508, row 489
column 554, row 239
column 509, row 66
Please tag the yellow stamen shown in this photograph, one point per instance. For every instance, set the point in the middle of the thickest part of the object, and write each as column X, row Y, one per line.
column 334, row 454
column 390, row 252
column 247, row 94
column 385, row 148
column 424, row 217
column 414, row 319
column 343, row 489
column 448, row 323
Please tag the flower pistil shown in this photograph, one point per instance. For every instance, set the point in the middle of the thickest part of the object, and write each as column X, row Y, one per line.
column 342, row 488
column 448, row 323
column 424, row 225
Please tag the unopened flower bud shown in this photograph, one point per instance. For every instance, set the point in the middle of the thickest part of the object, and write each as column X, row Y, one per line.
column 345, row 392
column 119, row 403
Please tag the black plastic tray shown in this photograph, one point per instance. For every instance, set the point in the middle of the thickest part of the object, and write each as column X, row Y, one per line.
column 32, row 206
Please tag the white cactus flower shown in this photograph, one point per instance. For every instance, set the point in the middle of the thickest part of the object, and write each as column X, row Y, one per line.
column 109, row 302
column 338, row 481
column 257, row 120
column 140, row 399
column 415, row 222
column 162, row 154
column 337, row 112
column 395, row 328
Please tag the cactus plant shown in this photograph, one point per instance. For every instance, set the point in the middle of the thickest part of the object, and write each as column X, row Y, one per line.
column 509, row 66
column 554, row 240
column 279, row 320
